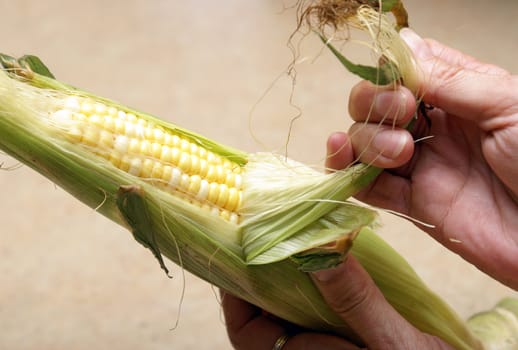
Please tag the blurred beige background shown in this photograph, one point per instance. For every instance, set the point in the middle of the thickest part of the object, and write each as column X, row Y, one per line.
column 70, row 279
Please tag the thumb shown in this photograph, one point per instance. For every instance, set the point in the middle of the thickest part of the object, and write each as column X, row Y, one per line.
column 352, row 294
column 459, row 84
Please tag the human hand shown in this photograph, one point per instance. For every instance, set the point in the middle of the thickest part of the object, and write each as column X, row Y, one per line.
column 463, row 180
column 360, row 304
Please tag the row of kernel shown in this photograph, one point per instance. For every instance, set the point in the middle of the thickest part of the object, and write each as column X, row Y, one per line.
column 202, row 189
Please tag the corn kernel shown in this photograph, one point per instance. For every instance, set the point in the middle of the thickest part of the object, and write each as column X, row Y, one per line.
column 203, row 192
column 195, row 184
column 134, row 146
column 176, row 177
column 213, row 192
column 156, row 150
column 223, row 196
column 185, row 162
column 135, row 166
column 158, row 170
column 147, row 168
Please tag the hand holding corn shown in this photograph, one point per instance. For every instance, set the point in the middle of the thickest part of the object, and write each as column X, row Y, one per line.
column 461, row 180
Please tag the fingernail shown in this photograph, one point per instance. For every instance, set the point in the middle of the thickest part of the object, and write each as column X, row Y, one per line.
column 390, row 103
column 326, row 275
column 389, row 143
column 418, row 46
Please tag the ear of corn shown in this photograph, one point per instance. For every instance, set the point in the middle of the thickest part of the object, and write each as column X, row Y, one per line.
column 284, row 216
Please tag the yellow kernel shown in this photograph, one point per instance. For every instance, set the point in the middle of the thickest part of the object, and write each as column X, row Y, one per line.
column 115, row 159
column 109, row 123
column 156, row 150
column 175, row 156
column 194, row 185
column 223, row 196
column 145, row 148
column 211, row 173
column 228, row 164
column 221, row 175
column 204, row 168
column 125, row 163
column 167, row 139
column 95, row 119
column 106, row 139
column 86, row 108
column 194, row 148
column 212, row 158
column 148, row 133
column 195, row 164
column 185, row 162
column 237, row 169
column 230, row 179
column 166, row 173
column 99, row 108
column 112, row 111
column 142, row 122
column 158, row 170
column 233, row 200
column 91, row 136
column 134, row 146
column 166, row 154
column 120, row 126
column 213, row 192
column 75, row 134
column 185, row 145
column 175, row 141
column 202, row 153
column 147, row 168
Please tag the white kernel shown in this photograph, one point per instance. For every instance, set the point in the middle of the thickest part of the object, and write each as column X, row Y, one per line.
column 203, row 193
column 158, row 135
column 129, row 129
column 72, row 104
column 112, row 111
column 121, row 144
column 100, row 108
column 135, row 166
column 86, row 108
column 134, row 146
column 176, row 177
column 121, row 115
column 131, row 117
column 140, row 131
column 96, row 120
column 185, row 145
column 184, row 182
column 63, row 118
column 145, row 148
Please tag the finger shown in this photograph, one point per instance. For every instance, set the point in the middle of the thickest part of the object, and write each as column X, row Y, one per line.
column 381, row 104
column 381, row 145
column 462, row 86
column 247, row 327
column 318, row 341
column 352, row 294
column 339, row 151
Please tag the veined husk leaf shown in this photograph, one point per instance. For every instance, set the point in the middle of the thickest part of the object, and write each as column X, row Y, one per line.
column 211, row 247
